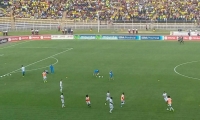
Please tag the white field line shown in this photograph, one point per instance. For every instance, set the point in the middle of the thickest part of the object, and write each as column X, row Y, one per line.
column 41, row 47
column 185, row 75
column 14, row 44
column 39, row 61
column 40, row 67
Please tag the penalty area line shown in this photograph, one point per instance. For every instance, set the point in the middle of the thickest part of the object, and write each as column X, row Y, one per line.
column 182, row 74
column 40, row 67
column 38, row 61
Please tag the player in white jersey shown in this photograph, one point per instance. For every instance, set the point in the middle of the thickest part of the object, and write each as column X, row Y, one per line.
column 61, row 86
column 165, row 96
column 111, row 104
column 23, row 71
column 107, row 97
column 62, row 100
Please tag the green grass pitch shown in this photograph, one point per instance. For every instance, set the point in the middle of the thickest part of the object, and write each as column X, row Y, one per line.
column 137, row 67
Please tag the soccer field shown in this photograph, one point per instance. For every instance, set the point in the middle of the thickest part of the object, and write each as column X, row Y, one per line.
column 142, row 70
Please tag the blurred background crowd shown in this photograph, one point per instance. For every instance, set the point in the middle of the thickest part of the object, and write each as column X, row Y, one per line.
column 106, row 9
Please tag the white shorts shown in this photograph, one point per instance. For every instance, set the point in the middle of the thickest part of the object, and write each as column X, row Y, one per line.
column 165, row 99
column 62, row 101
column 111, row 106
column 107, row 98
column 122, row 101
column 87, row 102
column 45, row 77
column 61, row 87
column 169, row 105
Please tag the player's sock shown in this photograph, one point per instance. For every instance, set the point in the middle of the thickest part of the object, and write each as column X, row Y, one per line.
column 111, row 110
column 171, row 109
column 105, row 103
column 63, row 105
column 89, row 105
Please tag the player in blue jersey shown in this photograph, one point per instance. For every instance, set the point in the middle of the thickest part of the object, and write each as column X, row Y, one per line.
column 111, row 75
column 51, row 68
column 96, row 72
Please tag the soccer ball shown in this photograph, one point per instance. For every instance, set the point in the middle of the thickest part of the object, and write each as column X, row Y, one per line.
column 99, row 76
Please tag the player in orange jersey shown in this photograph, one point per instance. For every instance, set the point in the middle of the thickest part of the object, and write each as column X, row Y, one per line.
column 87, row 99
column 122, row 99
column 169, row 102
column 44, row 74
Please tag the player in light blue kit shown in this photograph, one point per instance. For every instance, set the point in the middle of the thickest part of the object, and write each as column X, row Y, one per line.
column 111, row 75
column 52, row 68
column 96, row 72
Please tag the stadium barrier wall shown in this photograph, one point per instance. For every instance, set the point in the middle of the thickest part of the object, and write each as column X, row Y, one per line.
column 118, row 37
column 97, row 37
column 193, row 38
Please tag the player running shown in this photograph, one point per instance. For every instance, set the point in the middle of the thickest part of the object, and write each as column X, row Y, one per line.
column 87, row 99
column 23, row 71
column 180, row 40
column 107, row 97
column 165, row 96
column 96, row 72
column 111, row 104
column 44, row 74
column 61, row 86
column 122, row 99
column 169, row 101
column 62, row 100
column 111, row 75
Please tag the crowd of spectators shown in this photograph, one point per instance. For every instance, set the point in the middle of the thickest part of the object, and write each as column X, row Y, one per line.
column 104, row 9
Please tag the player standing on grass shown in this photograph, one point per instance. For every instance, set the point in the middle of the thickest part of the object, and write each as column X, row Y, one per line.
column 23, row 71
column 87, row 99
column 169, row 101
column 96, row 72
column 44, row 74
column 52, row 68
column 165, row 96
column 61, row 86
column 107, row 97
column 111, row 104
column 62, row 100
column 111, row 75
column 122, row 99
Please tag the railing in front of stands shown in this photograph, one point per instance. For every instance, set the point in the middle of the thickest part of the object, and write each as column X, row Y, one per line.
column 48, row 24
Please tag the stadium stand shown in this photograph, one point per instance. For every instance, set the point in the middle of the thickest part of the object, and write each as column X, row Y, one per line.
column 160, row 10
